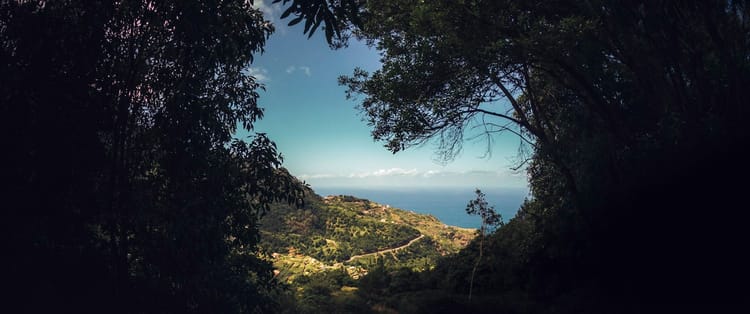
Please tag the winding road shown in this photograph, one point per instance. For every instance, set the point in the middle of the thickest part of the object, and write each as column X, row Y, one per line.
column 386, row 250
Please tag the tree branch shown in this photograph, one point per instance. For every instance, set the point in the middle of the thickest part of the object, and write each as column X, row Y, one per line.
column 500, row 115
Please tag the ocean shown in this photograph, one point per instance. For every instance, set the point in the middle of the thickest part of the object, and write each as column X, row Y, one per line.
column 447, row 204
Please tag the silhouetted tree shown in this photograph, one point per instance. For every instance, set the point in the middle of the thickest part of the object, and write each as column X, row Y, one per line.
column 617, row 106
column 490, row 219
column 337, row 17
column 127, row 190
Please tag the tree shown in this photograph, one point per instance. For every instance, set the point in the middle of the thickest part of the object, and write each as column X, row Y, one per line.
column 129, row 192
column 490, row 219
column 618, row 103
column 337, row 17
column 534, row 68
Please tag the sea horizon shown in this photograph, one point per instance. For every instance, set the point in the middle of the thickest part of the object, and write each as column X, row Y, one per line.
column 448, row 204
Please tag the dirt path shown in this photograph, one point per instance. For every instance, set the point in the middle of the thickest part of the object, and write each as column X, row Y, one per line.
column 386, row 250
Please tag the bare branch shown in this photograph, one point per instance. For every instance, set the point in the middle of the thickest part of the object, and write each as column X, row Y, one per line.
column 500, row 115
column 503, row 128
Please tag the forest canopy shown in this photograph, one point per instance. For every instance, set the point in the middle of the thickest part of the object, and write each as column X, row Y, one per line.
column 126, row 191
column 630, row 111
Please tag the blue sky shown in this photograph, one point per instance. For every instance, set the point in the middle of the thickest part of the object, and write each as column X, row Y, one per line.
column 323, row 138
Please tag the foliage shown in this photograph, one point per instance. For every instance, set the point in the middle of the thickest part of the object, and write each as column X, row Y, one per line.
column 322, row 278
column 490, row 219
column 420, row 256
column 629, row 109
column 128, row 192
column 331, row 230
column 481, row 208
column 336, row 16
column 330, row 291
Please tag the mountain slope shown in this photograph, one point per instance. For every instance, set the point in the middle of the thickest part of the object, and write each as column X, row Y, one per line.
column 351, row 233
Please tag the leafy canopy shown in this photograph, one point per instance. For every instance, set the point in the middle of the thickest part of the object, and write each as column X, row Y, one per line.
column 129, row 192
column 626, row 107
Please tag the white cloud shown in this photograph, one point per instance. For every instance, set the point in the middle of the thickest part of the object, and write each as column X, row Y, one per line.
column 317, row 176
column 400, row 177
column 395, row 172
column 272, row 13
column 306, row 69
column 433, row 173
column 260, row 74
column 268, row 10
column 385, row 173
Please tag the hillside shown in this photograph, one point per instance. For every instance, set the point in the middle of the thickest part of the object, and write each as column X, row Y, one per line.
column 346, row 232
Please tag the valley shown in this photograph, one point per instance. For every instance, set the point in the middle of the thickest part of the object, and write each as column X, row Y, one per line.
column 353, row 234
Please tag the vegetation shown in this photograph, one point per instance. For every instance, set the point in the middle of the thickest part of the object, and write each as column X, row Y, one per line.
column 333, row 252
column 329, row 232
column 125, row 190
column 490, row 219
column 626, row 113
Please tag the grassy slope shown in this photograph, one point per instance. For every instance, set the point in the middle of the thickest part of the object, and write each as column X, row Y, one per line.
column 327, row 231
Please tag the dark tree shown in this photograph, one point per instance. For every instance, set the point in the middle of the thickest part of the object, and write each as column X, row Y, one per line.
column 630, row 110
column 338, row 17
column 125, row 188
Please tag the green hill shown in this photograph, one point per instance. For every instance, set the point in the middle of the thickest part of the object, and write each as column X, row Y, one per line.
column 350, row 233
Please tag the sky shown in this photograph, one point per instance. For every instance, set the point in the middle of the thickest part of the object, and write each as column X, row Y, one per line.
column 323, row 138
